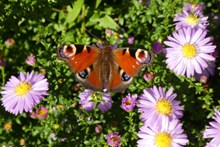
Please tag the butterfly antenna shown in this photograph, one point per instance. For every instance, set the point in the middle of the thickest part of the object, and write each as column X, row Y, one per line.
column 92, row 34
column 103, row 42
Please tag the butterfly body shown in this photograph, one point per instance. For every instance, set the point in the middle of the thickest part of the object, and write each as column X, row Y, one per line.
column 99, row 69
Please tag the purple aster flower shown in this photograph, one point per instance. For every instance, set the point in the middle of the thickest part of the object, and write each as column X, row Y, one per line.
column 10, row 42
column 193, row 20
column 189, row 51
column 31, row 60
column 131, row 40
column 128, row 103
column 163, row 135
column 89, row 98
column 213, row 131
column 206, row 73
column 211, row 145
column 98, row 129
column 194, row 8
column 157, row 47
column 158, row 106
column 23, row 93
column 41, row 113
column 113, row 139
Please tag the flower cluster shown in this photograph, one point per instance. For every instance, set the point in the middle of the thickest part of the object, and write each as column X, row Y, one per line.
column 160, row 114
column 189, row 50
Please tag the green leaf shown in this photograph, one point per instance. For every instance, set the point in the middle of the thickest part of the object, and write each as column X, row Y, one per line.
column 108, row 22
column 74, row 12
column 97, row 3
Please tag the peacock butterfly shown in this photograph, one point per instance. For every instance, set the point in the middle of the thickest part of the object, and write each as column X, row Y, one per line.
column 104, row 69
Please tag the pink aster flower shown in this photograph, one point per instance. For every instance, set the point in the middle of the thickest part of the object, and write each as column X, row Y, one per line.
column 128, row 103
column 131, row 40
column 189, row 51
column 89, row 98
column 98, row 129
column 213, row 131
column 23, row 93
column 109, row 32
column 192, row 20
column 113, row 139
column 31, row 60
column 158, row 106
column 163, row 135
column 41, row 113
column 148, row 76
column 10, row 42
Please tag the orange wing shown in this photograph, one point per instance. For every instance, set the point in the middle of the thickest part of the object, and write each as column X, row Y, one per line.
column 132, row 60
column 82, row 60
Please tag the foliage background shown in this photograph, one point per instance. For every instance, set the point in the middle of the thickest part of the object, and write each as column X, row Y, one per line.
column 40, row 26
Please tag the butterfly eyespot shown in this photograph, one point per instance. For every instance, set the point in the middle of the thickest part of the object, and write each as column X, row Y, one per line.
column 125, row 77
column 69, row 49
column 83, row 74
column 143, row 56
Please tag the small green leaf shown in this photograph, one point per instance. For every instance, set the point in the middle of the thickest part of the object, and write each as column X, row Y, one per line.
column 74, row 12
column 97, row 3
column 108, row 22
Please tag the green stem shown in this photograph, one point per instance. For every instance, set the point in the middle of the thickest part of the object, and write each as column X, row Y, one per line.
column 3, row 75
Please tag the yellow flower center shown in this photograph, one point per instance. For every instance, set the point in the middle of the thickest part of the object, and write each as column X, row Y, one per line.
column 189, row 50
column 128, row 102
column 164, row 107
column 114, row 139
column 22, row 142
column 7, row 126
column 192, row 19
column 23, row 88
column 96, row 97
column 42, row 112
column 163, row 140
column 116, row 35
column 56, row 126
